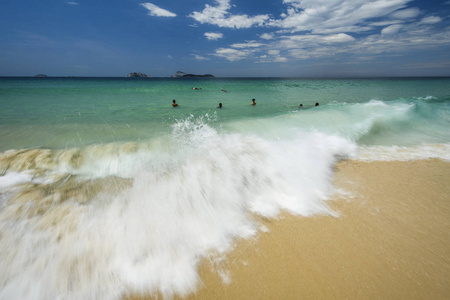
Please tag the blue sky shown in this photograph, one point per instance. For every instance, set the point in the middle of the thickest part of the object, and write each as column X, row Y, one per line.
column 304, row 38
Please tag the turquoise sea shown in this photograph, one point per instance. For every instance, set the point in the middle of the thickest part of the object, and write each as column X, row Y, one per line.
column 59, row 113
column 106, row 188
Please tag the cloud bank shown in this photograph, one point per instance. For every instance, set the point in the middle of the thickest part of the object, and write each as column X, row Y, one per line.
column 308, row 29
column 326, row 28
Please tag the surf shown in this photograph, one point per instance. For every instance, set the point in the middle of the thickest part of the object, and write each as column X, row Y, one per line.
column 145, row 220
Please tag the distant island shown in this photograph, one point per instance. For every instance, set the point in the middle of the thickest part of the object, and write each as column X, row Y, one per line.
column 40, row 75
column 138, row 74
column 180, row 74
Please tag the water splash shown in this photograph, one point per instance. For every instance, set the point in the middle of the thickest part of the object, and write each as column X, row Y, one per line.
column 101, row 221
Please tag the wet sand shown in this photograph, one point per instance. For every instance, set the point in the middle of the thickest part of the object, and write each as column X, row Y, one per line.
column 390, row 241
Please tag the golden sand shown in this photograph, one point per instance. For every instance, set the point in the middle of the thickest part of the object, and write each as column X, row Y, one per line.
column 390, row 241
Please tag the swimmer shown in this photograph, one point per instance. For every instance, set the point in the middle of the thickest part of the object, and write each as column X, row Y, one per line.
column 317, row 104
column 300, row 106
column 220, row 105
column 224, row 90
column 194, row 88
column 253, row 102
column 174, row 103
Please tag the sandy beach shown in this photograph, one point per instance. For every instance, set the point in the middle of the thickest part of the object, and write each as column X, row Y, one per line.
column 390, row 241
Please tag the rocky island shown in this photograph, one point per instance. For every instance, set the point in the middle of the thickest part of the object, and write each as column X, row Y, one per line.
column 180, row 74
column 138, row 75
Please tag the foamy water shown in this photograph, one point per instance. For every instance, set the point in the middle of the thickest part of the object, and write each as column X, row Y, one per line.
column 138, row 213
column 98, row 222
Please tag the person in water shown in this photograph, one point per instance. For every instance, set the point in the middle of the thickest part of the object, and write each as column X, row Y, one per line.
column 194, row 88
column 253, row 102
column 317, row 104
column 300, row 106
column 174, row 103
column 220, row 105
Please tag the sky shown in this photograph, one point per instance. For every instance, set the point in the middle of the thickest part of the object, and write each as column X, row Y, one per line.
column 226, row 38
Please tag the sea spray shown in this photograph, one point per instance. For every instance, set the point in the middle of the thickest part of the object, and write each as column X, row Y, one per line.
column 102, row 221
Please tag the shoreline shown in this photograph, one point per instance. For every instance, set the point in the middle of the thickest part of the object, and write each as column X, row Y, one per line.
column 391, row 240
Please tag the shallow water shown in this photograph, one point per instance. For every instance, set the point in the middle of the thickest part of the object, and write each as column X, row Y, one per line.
column 77, row 112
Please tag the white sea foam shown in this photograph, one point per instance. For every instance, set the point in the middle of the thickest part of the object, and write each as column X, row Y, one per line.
column 14, row 178
column 398, row 153
column 144, row 221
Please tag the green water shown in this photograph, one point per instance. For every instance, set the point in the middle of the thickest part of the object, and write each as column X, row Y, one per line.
column 68, row 112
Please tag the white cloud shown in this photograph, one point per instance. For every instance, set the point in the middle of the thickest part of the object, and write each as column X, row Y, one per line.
column 273, row 52
column 406, row 13
column 276, row 57
column 338, row 38
column 315, row 39
column 324, row 29
column 249, row 44
column 408, row 38
column 386, row 23
column 336, row 16
column 431, row 20
column 300, row 53
column 213, row 36
column 272, row 56
column 391, row 29
column 232, row 54
column 393, row 40
column 156, row 11
column 280, row 59
column 199, row 57
column 219, row 15
column 314, row 16
column 73, row 3
column 267, row 36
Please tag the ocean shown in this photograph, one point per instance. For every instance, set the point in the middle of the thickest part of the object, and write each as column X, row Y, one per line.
column 106, row 189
